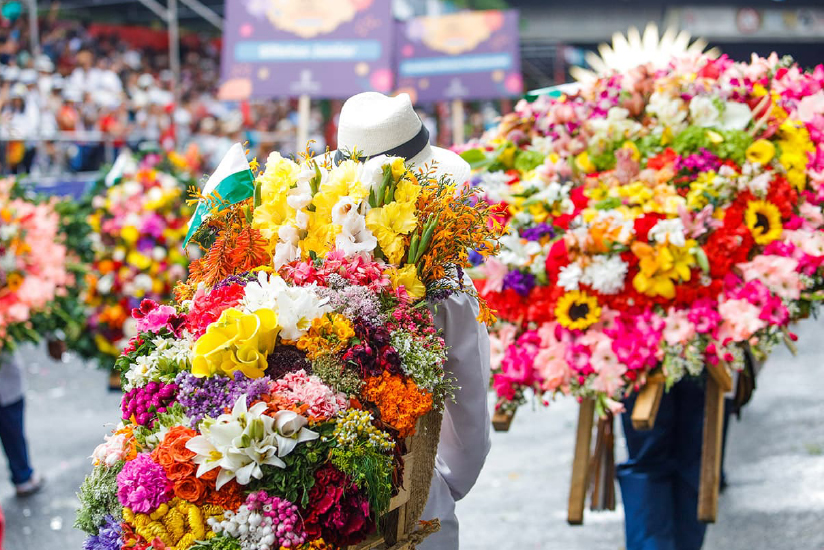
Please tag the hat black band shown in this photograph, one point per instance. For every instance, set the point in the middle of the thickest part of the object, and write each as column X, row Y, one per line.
column 405, row 150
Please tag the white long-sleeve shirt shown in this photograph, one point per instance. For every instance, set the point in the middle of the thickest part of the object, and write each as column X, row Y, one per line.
column 465, row 432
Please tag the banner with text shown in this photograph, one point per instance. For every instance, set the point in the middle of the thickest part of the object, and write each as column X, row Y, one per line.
column 322, row 48
column 463, row 55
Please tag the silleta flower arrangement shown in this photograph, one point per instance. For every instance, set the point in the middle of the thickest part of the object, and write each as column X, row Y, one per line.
column 33, row 269
column 660, row 219
column 270, row 406
column 138, row 221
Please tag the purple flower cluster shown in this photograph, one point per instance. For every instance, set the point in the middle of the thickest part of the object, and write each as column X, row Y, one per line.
column 108, row 538
column 241, row 279
column 285, row 359
column 520, row 282
column 141, row 402
column 142, row 485
column 537, row 232
column 201, row 397
column 352, row 301
column 374, row 354
column 704, row 161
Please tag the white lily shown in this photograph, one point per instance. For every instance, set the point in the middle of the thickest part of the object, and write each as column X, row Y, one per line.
column 290, row 430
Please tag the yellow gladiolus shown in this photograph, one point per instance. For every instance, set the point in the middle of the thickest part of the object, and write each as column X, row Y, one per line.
column 407, row 277
column 389, row 224
column 237, row 341
column 407, row 191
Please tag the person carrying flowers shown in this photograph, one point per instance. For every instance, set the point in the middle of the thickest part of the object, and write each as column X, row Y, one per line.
column 294, row 393
column 665, row 223
column 372, row 124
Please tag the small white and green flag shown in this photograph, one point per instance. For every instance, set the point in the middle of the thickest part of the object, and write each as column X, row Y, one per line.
column 232, row 181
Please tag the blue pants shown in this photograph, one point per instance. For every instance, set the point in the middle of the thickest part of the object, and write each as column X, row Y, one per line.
column 14, row 442
column 659, row 482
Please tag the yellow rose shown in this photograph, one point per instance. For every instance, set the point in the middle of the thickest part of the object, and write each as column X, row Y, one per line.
column 407, row 277
column 797, row 177
column 761, row 152
column 237, row 341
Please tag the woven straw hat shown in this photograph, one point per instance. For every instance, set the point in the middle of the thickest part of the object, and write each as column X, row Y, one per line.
column 376, row 124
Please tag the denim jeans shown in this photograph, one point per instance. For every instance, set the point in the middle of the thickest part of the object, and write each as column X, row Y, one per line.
column 659, row 482
column 14, row 442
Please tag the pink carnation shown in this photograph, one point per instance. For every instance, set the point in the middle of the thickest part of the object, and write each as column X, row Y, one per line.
column 299, row 387
column 142, row 485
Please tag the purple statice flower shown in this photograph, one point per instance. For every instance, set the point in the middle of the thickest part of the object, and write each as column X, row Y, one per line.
column 107, row 538
column 285, row 359
column 703, row 161
column 201, row 397
column 240, row 279
column 520, row 282
column 537, row 232
column 352, row 301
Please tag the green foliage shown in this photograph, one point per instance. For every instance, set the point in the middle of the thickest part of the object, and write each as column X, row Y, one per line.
column 336, row 375
column 733, row 144
column 220, row 542
column 298, row 477
column 528, row 160
column 370, row 469
column 98, row 498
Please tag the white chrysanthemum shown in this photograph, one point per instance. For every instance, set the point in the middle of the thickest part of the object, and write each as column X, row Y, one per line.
column 671, row 231
column 570, row 277
column 605, row 274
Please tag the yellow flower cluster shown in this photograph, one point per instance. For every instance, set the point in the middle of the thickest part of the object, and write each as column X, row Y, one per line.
column 178, row 523
column 794, row 142
column 328, row 334
column 662, row 266
column 356, row 425
column 237, row 341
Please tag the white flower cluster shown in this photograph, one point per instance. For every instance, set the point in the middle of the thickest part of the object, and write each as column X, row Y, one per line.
column 669, row 231
column 604, row 274
column 253, row 530
column 418, row 362
column 296, row 306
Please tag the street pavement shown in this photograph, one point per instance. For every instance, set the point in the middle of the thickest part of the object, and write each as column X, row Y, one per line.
column 775, row 465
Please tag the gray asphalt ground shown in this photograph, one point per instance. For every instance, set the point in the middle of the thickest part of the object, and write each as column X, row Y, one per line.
column 775, row 466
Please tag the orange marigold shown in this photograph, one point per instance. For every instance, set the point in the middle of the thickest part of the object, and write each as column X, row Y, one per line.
column 400, row 401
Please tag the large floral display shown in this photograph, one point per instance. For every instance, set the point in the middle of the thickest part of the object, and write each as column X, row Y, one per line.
column 139, row 220
column 660, row 220
column 271, row 406
column 33, row 272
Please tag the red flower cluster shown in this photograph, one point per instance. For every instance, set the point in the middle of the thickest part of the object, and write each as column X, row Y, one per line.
column 338, row 510
column 206, row 308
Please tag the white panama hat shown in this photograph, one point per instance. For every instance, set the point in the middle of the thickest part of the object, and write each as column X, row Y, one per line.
column 376, row 124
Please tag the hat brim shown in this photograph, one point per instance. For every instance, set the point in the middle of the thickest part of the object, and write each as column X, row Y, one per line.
column 443, row 162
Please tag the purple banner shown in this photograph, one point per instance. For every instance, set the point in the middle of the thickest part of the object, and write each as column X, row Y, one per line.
column 463, row 55
column 321, row 48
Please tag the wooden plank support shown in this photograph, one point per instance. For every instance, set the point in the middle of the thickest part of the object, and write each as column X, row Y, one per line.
column 502, row 419
column 580, row 463
column 646, row 405
column 711, row 447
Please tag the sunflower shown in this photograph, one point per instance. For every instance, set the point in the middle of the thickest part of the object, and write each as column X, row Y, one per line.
column 577, row 310
column 764, row 221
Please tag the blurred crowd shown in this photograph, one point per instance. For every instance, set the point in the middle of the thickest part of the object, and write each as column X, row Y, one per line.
column 89, row 93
